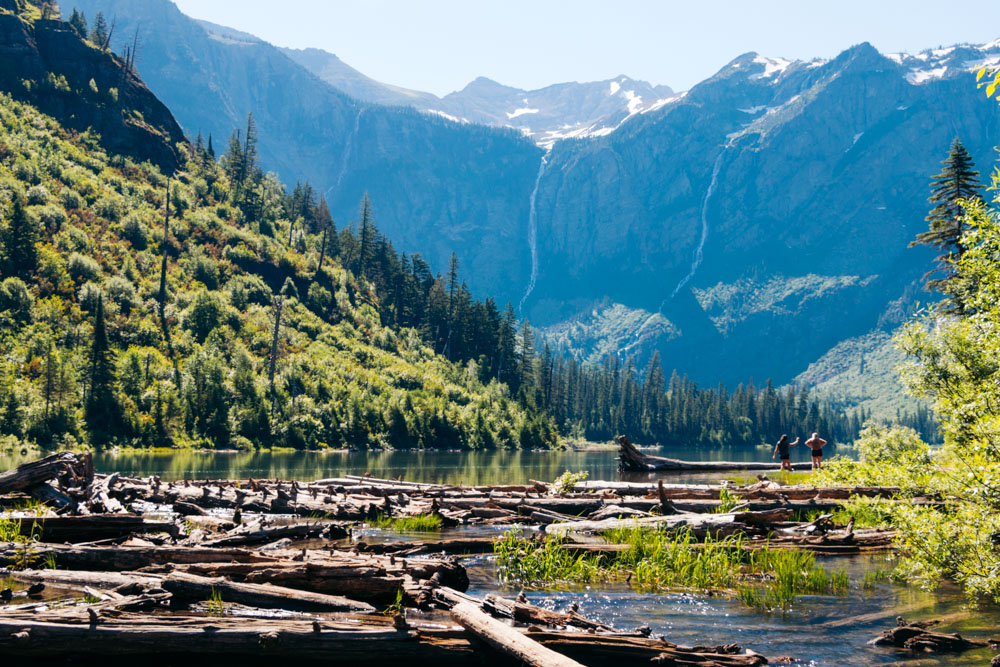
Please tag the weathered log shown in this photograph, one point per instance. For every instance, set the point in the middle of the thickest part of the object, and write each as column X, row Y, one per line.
column 630, row 458
column 724, row 524
column 92, row 527
column 122, row 558
column 186, row 586
column 916, row 637
column 42, row 470
column 242, row 536
column 235, row 640
column 604, row 650
column 506, row 640
column 459, row 545
column 530, row 614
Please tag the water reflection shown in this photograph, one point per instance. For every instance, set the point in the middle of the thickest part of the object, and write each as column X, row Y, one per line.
column 444, row 467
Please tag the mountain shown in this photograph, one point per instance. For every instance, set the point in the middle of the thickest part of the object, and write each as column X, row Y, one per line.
column 43, row 61
column 345, row 78
column 742, row 228
column 546, row 115
column 141, row 306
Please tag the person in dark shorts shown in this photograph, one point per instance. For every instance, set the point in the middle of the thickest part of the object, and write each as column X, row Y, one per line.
column 783, row 448
column 815, row 443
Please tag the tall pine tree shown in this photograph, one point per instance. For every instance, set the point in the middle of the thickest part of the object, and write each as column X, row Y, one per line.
column 958, row 181
column 102, row 412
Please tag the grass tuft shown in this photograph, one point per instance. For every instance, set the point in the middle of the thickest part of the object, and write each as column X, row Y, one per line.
column 404, row 524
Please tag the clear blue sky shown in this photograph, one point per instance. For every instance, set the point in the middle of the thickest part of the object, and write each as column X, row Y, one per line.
column 441, row 45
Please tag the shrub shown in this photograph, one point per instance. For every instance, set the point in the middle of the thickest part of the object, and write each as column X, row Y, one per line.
column 70, row 199
column 88, row 296
column 82, row 268
column 37, row 195
column 120, row 290
column 878, row 443
column 51, row 217
column 16, row 299
column 244, row 290
column 135, row 231
column 204, row 314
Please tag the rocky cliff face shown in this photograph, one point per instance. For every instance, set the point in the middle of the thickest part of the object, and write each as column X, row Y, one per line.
column 45, row 62
column 743, row 228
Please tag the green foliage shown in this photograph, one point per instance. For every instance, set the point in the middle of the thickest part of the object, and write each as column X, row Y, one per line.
column 890, row 445
column 404, row 524
column 565, row 482
column 215, row 605
column 92, row 352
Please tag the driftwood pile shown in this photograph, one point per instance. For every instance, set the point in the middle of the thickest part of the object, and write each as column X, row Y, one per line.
column 198, row 571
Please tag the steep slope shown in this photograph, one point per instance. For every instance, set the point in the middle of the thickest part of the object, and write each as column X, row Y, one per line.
column 43, row 61
column 437, row 186
column 753, row 222
column 345, row 78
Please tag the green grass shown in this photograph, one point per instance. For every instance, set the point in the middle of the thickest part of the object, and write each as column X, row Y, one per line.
column 658, row 560
column 404, row 524
column 216, row 607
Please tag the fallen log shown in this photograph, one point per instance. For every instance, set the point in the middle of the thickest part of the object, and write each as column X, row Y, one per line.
column 630, row 458
column 191, row 587
column 700, row 524
column 604, row 650
column 122, row 558
column 506, row 640
column 92, row 527
column 263, row 535
column 44, row 469
column 916, row 637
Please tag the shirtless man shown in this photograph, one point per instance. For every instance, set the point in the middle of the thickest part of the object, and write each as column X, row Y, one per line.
column 782, row 448
column 815, row 443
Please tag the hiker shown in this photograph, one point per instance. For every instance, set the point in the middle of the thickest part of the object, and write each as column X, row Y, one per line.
column 815, row 443
column 783, row 448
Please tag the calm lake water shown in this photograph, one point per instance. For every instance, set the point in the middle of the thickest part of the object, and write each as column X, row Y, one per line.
column 445, row 467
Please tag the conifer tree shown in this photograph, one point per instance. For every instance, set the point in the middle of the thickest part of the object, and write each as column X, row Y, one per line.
column 367, row 240
column 78, row 22
column 958, row 181
column 18, row 239
column 101, row 412
column 99, row 33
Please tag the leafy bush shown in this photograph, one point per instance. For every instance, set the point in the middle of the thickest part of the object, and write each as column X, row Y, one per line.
column 82, row 269
column 37, row 195
column 16, row 299
column 878, row 443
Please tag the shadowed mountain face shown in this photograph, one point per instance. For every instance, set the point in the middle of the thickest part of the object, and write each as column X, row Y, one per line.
column 743, row 228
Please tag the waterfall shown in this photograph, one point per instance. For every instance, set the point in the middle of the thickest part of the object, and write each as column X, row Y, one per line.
column 533, row 231
column 348, row 146
column 699, row 251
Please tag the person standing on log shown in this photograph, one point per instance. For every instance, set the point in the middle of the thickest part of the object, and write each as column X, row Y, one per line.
column 783, row 447
column 815, row 443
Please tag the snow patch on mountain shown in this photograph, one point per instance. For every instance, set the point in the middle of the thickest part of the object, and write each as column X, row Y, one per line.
column 918, row 76
column 614, row 87
column 520, row 112
column 772, row 66
column 447, row 116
